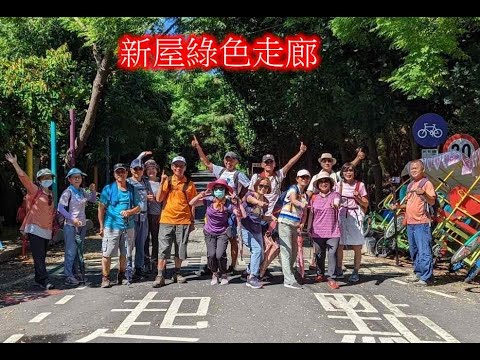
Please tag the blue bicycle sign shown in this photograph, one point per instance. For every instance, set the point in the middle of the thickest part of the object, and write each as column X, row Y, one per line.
column 430, row 130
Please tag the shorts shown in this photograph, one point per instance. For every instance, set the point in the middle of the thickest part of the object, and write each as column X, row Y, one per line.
column 115, row 239
column 176, row 235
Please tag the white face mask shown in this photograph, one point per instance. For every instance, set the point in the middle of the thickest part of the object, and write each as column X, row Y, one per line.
column 46, row 183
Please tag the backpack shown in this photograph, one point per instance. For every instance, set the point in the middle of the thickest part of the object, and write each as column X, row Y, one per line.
column 357, row 187
column 281, row 201
column 236, row 174
column 430, row 210
column 59, row 218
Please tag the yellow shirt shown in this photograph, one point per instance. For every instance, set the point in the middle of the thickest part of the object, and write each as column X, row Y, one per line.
column 176, row 210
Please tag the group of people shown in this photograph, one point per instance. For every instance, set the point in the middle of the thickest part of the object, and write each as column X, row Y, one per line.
column 141, row 211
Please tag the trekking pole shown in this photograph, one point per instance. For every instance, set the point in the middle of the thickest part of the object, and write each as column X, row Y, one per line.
column 129, row 270
column 81, row 262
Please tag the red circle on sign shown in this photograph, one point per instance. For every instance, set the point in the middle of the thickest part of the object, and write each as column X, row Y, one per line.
column 460, row 142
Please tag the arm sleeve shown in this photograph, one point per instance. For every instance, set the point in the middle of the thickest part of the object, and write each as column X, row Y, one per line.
column 252, row 182
column 430, row 190
column 29, row 185
column 63, row 203
column 217, row 170
column 362, row 190
column 105, row 196
column 92, row 196
column 243, row 179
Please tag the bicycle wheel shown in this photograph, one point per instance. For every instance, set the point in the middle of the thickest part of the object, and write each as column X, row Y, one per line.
column 465, row 251
column 384, row 247
column 391, row 226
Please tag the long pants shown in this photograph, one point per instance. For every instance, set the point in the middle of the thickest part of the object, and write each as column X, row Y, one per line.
column 216, row 252
column 141, row 233
column 254, row 242
column 153, row 227
column 71, row 251
column 420, row 246
column 38, row 246
column 326, row 246
column 288, row 251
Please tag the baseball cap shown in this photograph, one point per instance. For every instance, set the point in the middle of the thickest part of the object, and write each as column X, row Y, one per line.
column 75, row 171
column 43, row 172
column 119, row 166
column 179, row 159
column 230, row 154
column 303, row 172
column 136, row 163
column 268, row 157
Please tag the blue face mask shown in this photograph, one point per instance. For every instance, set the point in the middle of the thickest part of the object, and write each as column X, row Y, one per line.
column 46, row 183
column 219, row 193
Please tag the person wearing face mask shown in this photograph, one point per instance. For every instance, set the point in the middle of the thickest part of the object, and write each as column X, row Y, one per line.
column 71, row 205
column 38, row 222
column 219, row 210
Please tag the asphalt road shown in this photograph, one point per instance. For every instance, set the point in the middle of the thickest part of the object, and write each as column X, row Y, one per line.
column 381, row 308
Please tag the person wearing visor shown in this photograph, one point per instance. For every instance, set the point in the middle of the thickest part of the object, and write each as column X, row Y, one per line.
column 38, row 222
column 237, row 180
column 72, row 205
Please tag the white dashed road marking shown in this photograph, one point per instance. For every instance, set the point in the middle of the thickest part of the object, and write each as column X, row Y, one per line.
column 399, row 282
column 441, row 294
column 14, row 338
column 40, row 317
column 65, row 299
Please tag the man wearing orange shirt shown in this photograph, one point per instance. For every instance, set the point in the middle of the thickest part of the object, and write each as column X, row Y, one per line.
column 420, row 194
column 175, row 193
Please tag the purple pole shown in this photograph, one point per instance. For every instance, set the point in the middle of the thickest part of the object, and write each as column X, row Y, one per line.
column 72, row 138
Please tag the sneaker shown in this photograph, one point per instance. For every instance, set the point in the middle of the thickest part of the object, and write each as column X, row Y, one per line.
column 49, row 286
column 214, row 280
column 105, row 282
column 71, row 281
column 45, row 286
column 254, row 283
column 224, row 280
column 421, row 283
column 333, row 284
column 413, row 278
column 293, row 286
column 339, row 274
column 159, row 281
column 81, row 279
column 320, row 278
column 120, row 277
column 268, row 275
column 354, row 277
column 178, row 278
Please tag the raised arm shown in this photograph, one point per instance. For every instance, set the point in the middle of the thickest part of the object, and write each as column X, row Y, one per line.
column 294, row 159
column 201, row 154
column 160, row 196
column 360, row 156
column 198, row 199
column 143, row 154
column 26, row 182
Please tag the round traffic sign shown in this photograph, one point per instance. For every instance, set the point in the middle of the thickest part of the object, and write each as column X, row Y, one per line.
column 430, row 130
column 463, row 143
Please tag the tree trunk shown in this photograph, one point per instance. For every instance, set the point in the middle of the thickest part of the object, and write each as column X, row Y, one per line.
column 103, row 71
column 383, row 155
column 375, row 168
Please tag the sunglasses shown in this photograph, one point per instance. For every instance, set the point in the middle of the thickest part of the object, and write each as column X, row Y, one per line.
column 304, row 177
column 269, row 162
column 179, row 165
column 218, row 188
column 261, row 186
column 120, row 171
column 327, row 160
column 137, row 168
column 323, row 181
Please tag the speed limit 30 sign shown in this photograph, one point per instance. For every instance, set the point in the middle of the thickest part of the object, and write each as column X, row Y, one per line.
column 463, row 143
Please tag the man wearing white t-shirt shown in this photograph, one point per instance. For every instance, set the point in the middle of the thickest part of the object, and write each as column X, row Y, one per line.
column 236, row 179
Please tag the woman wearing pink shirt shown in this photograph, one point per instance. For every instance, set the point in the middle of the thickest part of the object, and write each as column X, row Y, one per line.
column 324, row 227
column 39, row 219
column 351, row 216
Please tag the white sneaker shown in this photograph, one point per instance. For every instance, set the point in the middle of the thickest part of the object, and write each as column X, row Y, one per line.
column 293, row 286
column 224, row 280
column 214, row 280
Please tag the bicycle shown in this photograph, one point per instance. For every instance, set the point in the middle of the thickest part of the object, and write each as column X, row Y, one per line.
column 429, row 129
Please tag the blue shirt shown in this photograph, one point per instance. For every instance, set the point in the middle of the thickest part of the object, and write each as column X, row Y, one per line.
column 113, row 220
